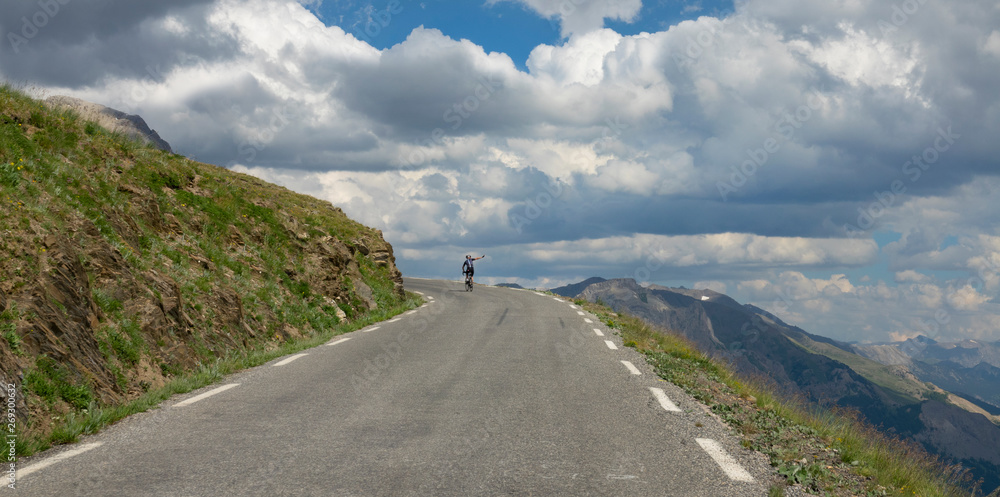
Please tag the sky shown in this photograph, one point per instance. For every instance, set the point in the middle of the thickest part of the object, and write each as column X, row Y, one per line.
column 833, row 161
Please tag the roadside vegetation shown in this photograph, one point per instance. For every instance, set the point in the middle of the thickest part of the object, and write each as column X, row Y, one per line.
column 130, row 274
column 823, row 452
column 90, row 417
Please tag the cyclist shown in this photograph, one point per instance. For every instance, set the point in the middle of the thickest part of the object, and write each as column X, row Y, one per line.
column 467, row 266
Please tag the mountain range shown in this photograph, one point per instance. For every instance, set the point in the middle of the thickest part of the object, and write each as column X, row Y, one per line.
column 889, row 385
column 970, row 368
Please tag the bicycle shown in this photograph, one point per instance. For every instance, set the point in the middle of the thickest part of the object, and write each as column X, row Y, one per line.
column 467, row 270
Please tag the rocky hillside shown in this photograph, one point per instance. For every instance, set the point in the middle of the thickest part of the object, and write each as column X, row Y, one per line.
column 125, row 266
column 819, row 370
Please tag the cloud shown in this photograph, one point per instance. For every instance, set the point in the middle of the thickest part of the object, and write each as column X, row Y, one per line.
column 911, row 276
column 727, row 150
column 716, row 286
column 85, row 41
column 992, row 44
column 876, row 312
column 693, row 7
column 966, row 298
column 582, row 16
column 896, row 336
column 650, row 254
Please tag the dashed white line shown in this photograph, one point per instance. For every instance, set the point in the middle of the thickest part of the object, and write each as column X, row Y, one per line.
column 587, row 320
column 373, row 328
column 598, row 332
column 580, row 313
column 410, row 312
column 611, row 345
column 56, row 458
column 557, row 299
column 631, row 367
column 571, row 306
column 418, row 293
column 290, row 359
column 729, row 465
column 393, row 320
column 665, row 402
column 430, row 298
column 205, row 395
column 342, row 340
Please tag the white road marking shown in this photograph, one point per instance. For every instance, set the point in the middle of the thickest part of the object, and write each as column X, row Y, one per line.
column 732, row 468
column 631, row 367
column 610, row 344
column 373, row 328
column 205, row 395
column 587, row 320
column 599, row 332
column 571, row 306
column 290, row 359
column 621, row 477
column 418, row 293
column 21, row 473
column 430, row 298
column 411, row 312
column 342, row 340
column 665, row 402
column 580, row 313
column 393, row 320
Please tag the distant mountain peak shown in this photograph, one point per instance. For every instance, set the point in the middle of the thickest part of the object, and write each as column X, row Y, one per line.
column 574, row 289
column 112, row 119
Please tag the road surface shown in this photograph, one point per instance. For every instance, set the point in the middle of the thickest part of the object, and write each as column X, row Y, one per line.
column 497, row 392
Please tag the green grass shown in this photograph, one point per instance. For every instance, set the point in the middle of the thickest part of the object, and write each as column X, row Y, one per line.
column 877, row 373
column 106, row 302
column 8, row 328
column 51, row 381
column 92, row 418
column 828, row 453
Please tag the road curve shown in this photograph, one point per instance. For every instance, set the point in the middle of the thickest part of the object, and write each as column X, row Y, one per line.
column 497, row 392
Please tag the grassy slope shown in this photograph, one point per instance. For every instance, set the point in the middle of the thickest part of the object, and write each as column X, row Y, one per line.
column 100, row 232
column 907, row 389
column 911, row 391
column 826, row 453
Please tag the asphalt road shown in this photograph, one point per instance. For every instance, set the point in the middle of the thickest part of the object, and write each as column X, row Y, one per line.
column 497, row 392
